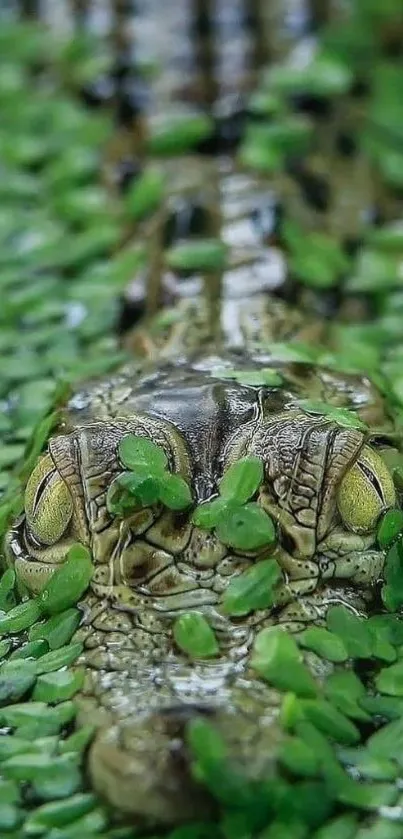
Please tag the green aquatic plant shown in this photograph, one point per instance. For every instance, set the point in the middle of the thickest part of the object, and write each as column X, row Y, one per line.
column 148, row 482
column 239, row 523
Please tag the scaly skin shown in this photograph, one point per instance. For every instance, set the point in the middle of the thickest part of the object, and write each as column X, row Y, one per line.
column 140, row 690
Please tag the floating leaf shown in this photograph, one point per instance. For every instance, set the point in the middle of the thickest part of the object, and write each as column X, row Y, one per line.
column 7, row 595
column 68, row 583
column 20, row 617
column 16, row 679
column 342, row 416
column 242, row 479
column 323, row 643
column 178, row 134
column 345, row 691
column 55, row 659
column 299, row 758
column 199, row 255
column 330, row 720
column 254, row 589
column 194, row 635
column 390, row 679
column 145, row 194
column 58, row 813
column 57, row 630
column 58, row 686
column 392, row 591
column 246, row 528
column 389, row 528
column 34, row 649
column 277, row 659
column 352, row 630
column 263, row 377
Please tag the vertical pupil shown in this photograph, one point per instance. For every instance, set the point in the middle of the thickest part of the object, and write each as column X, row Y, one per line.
column 42, row 486
column 371, row 477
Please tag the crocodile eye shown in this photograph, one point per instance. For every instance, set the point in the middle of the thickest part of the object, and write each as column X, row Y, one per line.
column 48, row 503
column 365, row 491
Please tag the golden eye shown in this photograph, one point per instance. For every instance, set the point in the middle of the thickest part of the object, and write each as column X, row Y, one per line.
column 365, row 491
column 48, row 503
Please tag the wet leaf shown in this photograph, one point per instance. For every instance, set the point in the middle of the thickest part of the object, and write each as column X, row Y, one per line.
column 194, row 636
column 242, row 479
column 299, row 758
column 16, row 679
column 175, row 493
column 264, row 377
column 58, row 686
column 68, row 583
column 207, row 515
column 58, row 813
column 345, row 691
column 178, row 134
column 328, row 719
column 277, row 659
column 55, row 659
column 254, row 589
column 323, row 643
column 342, row 416
column 78, row 741
column 390, row 679
column 389, row 528
column 136, row 451
column 199, row 255
column 352, row 630
column 145, row 194
column 246, row 528
column 20, row 617
column 392, row 591
column 34, row 649
column 57, row 630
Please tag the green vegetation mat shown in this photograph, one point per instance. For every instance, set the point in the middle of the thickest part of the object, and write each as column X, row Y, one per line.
column 63, row 265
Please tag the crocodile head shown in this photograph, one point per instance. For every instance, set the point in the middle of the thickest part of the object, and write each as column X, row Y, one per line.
column 325, row 485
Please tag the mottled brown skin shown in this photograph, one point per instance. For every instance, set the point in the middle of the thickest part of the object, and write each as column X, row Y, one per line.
column 140, row 689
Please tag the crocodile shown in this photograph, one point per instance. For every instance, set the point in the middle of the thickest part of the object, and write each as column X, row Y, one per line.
column 325, row 486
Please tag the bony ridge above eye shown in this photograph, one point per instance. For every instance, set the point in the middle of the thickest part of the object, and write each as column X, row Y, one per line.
column 366, row 490
column 48, row 503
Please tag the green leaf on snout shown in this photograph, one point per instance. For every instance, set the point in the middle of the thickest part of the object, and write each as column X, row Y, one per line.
column 278, row 660
column 254, row 589
column 246, row 528
column 241, row 480
column 136, row 451
column 194, row 635
column 342, row 416
column 141, row 486
column 174, row 492
column 207, row 515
